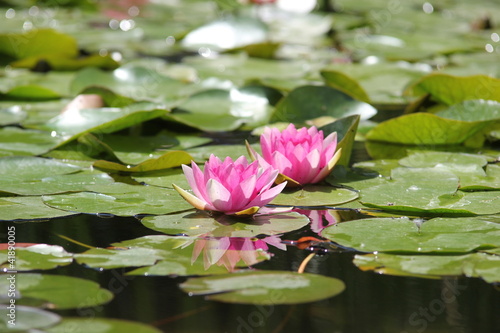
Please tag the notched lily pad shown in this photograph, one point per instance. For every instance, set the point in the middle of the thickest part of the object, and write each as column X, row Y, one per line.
column 120, row 199
column 480, row 265
column 57, row 291
column 265, row 287
column 314, row 196
column 28, row 209
column 39, row 256
column 439, row 235
column 101, row 325
column 201, row 223
column 27, row 319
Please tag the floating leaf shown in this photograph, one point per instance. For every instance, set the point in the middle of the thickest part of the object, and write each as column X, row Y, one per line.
column 101, row 325
column 439, row 235
column 16, row 141
column 346, row 129
column 489, row 181
column 40, row 256
column 448, row 89
column 76, row 122
column 81, row 181
column 479, row 265
column 27, row 209
column 161, row 255
column 12, row 115
column 166, row 161
column 121, row 200
column 27, row 319
column 346, row 84
column 425, row 129
column 200, row 223
column 315, row 195
column 308, row 102
column 473, row 110
column 28, row 167
column 57, row 291
column 265, row 288
column 37, row 43
column 432, row 159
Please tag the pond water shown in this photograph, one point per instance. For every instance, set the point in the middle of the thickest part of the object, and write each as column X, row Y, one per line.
column 370, row 302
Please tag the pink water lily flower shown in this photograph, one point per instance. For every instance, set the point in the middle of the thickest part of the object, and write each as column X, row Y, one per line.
column 303, row 156
column 238, row 187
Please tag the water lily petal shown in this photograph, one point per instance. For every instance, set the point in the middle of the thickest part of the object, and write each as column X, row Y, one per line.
column 219, row 196
column 329, row 167
column 193, row 200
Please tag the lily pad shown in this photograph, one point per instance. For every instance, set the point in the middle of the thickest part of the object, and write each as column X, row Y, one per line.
column 76, row 182
column 166, row 161
column 75, row 122
column 28, row 167
column 315, row 195
column 27, row 319
column 40, row 256
column 57, row 291
column 432, row 159
column 167, row 255
column 121, row 200
column 428, row 190
column 439, row 235
column 12, row 115
column 426, row 129
column 265, row 288
column 28, row 209
column 201, row 223
column 163, row 178
column 489, row 181
column 101, row 325
column 473, row 110
column 448, row 89
column 16, row 141
column 308, row 102
column 480, row 265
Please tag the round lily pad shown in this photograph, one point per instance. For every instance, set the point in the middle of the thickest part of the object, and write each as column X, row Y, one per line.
column 201, row 223
column 40, row 256
column 26, row 318
column 439, row 235
column 265, row 287
column 315, row 195
column 101, row 325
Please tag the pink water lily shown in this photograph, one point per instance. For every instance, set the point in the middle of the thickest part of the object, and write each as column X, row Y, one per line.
column 302, row 156
column 231, row 187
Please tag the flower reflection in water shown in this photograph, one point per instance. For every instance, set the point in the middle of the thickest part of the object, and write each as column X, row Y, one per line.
column 229, row 251
column 320, row 218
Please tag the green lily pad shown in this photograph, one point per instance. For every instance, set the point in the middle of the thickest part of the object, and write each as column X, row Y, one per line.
column 346, row 84
column 166, row 161
column 439, row 235
column 489, row 181
column 75, row 182
column 31, row 92
column 265, row 288
column 27, row 319
column 37, row 43
column 12, row 115
column 426, row 129
column 28, row 209
column 315, row 195
column 40, row 256
column 28, row 167
column 163, row 178
column 138, row 83
column 448, row 89
column 480, row 265
column 75, row 122
column 432, row 159
column 57, row 291
column 346, row 129
column 201, row 223
column 167, row 255
column 473, row 110
column 225, row 110
column 16, row 141
column 121, row 200
column 308, row 102
column 428, row 190
column 101, row 325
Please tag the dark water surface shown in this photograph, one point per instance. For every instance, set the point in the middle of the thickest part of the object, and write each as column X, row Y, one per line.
column 370, row 303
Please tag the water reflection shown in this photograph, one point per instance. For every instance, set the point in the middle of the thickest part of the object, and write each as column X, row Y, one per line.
column 229, row 251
